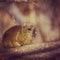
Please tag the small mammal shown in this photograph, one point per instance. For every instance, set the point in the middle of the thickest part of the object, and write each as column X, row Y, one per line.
column 18, row 36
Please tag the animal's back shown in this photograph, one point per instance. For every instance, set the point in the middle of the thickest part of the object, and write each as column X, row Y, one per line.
column 9, row 38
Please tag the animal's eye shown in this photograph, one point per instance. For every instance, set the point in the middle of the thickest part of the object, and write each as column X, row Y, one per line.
column 29, row 28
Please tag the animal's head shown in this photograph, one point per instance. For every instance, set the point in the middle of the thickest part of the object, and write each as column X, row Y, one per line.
column 29, row 29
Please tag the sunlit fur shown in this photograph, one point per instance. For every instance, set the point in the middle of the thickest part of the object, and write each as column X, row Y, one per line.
column 18, row 36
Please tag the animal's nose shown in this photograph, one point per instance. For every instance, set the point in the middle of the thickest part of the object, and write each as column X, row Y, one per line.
column 34, row 32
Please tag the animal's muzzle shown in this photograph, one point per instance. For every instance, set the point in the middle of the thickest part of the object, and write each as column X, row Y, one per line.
column 34, row 32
